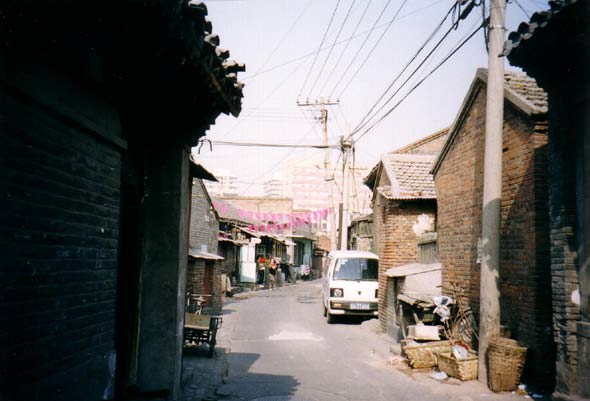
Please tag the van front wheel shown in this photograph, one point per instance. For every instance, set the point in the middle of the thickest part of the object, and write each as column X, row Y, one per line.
column 329, row 317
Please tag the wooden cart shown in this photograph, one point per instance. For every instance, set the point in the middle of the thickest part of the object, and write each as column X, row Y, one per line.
column 199, row 329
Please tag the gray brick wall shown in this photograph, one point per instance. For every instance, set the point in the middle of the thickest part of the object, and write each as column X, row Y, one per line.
column 204, row 276
column 60, row 234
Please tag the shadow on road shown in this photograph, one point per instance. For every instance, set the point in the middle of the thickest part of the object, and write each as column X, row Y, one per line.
column 228, row 376
column 243, row 384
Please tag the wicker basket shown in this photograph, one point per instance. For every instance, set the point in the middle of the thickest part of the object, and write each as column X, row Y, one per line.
column 423, row 355
column 506, row 360
column 463, row 369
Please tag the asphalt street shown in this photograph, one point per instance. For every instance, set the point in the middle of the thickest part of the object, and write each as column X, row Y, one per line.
column 278, row 346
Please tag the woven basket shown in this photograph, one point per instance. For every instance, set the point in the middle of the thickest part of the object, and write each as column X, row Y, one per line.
column 506, row 360
column 463, row 369
column 423, row 355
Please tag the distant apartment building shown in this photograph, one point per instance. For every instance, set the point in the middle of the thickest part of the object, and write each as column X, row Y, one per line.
column 276, row 187
column 310, row 189
column 227, row 184
column 307, row 184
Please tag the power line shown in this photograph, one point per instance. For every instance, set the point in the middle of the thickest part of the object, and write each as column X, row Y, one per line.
column 346, row 46
column 463, row 15
column 282, row 40
column 420, row 82
column 526, row 13
column 273, row 145
column 428, row 39
column 360, row 48
column 319, row 48
column 272, row 92
column 286, row 63
column 331, row 48
column 372, row 49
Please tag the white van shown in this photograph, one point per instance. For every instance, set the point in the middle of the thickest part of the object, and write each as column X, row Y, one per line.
column 351, row 284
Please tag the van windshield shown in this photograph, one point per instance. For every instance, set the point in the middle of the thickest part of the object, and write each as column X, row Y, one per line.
column 356, row 269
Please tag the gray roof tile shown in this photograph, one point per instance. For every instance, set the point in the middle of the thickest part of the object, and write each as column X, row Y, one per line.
column 409, row 175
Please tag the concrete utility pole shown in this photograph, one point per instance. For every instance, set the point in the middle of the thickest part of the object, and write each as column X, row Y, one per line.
column 346, row 146
column 327, row 165
column 489, row 312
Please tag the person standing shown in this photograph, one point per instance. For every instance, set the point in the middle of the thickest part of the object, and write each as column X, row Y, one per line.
column 261, row 263
column 272, row 274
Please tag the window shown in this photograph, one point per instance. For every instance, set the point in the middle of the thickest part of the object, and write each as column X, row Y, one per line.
column 356, row 269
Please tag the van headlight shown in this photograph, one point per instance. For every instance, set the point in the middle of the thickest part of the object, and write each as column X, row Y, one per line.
column 336, row 292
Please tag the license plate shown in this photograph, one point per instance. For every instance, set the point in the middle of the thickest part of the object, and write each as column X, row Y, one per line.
column 359, row 306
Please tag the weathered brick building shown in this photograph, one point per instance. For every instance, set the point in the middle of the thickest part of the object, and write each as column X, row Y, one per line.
column 100, row 104
column 360, row 233
column 204, row 264
column 525, row 282
column 403, row 190
column 554, row 48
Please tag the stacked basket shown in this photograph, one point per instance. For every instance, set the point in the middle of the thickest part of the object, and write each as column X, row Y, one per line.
column 423, row 355
column 506, row 360
column 463, row 369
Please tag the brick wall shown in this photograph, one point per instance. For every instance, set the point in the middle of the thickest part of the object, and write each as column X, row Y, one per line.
column 60, row 238
column 564, row 245
column 395, row 243
column 524, row 245
column 204, row 230
column 204, row 227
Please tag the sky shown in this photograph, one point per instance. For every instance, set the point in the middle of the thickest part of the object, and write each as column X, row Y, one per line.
column 278, row 41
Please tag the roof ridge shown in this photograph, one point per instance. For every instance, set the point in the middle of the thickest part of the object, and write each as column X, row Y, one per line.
column 422, row 141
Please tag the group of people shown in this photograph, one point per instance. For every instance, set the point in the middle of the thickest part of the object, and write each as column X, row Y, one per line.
column 273, row 266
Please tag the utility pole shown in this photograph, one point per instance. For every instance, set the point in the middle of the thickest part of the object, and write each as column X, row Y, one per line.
column 327, row 165
column 489, row 311
column 346, row 146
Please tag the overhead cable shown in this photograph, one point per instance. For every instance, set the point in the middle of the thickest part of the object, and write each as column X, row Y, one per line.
column 282, row 40
column 372, row 50
column 360, row 48
column 463, row 15
column 319, row 48
column 420, row 82
column 273, row 145
column 428, row 39
column 348, row 41
column 331, row 48
column 286, row 63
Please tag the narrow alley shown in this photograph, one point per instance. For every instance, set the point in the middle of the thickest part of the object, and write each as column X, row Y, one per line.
column 278, row 346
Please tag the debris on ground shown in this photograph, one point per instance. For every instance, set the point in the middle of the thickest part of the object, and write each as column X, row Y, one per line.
column 440, row 376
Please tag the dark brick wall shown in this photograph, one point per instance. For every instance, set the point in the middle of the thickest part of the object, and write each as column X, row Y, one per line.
column 524, row 245
column 60, row 235
column 564, row 244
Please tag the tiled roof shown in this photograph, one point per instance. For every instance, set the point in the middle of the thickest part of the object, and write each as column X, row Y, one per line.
column 527, row 88
column 519, row 89
column 539, row 20
column 222, row 73
column 409, row 175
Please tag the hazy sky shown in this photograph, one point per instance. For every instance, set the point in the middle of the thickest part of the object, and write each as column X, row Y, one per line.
column 266, row 34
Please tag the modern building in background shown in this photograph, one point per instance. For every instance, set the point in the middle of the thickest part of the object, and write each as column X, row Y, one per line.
column 227, row 184
column 276, row 187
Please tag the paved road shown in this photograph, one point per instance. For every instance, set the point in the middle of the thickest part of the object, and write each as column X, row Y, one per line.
column 281, row 348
